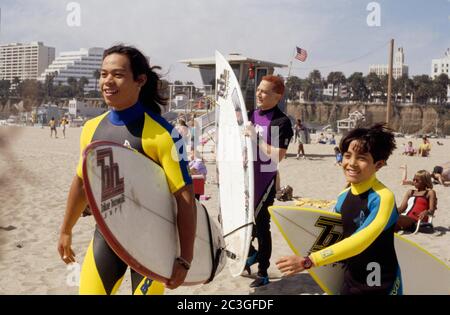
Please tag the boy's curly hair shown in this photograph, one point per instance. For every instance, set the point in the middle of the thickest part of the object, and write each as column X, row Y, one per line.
column 377, row 140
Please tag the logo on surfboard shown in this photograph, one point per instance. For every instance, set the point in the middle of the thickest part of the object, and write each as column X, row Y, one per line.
column 328, row 236
column 113, row 186
column 222, row 84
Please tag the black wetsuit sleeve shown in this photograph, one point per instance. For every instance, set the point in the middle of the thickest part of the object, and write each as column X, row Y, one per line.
column 281, row 132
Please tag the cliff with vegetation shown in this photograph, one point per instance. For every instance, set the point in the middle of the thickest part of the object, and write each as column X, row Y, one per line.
column 408, row 119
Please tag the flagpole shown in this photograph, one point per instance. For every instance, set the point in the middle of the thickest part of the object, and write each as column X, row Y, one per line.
column 290, row 64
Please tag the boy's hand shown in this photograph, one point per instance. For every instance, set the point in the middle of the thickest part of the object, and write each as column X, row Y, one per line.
column 290, row 265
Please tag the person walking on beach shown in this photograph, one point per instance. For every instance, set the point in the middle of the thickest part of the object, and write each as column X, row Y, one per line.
column 369, row 215
column 302, row 137
column 52, row 125
column 271, row 131
column 132, row 90
column 63, row 124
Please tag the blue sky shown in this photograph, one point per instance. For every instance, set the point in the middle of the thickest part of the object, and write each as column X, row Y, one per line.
column 335, row 33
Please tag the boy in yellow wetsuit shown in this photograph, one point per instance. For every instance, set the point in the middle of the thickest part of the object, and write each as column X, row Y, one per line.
column 369, row 215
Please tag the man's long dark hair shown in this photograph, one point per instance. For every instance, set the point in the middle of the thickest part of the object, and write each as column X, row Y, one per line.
column 151, row 93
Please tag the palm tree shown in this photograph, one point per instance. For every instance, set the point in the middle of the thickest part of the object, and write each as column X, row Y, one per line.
column 81, row 83
column 72, row 82
column 308, row 89
column 293, row 87
column 405, row 86
column 16, row 82
column 4, row 88
column 96, row 75
column 440, row 85
column 49, row 77
column 423, row 87
column 315, row 77
column 336, row 78
column 358, row 86
column 373, row 83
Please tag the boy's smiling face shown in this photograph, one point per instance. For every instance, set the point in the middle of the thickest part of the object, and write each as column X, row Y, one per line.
column 358, row 166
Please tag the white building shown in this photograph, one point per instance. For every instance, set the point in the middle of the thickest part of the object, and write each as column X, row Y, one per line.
column 76, row 64
column 82, row 109
column 439, row 66
column 24, row 61
column 339, row 91
column 399, row 66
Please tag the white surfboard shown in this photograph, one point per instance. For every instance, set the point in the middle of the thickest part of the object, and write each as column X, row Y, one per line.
column 307, row 230
column 234, row 166
column 136, row 213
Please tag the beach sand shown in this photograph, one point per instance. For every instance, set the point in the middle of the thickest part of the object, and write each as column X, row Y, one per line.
column 36, row 172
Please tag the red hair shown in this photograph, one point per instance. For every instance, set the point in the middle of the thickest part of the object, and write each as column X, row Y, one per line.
column 278, row 83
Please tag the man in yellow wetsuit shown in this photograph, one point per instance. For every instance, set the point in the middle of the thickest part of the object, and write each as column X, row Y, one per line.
column 130, row 88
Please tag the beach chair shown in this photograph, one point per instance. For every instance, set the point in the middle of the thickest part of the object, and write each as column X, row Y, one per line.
column 424, row 225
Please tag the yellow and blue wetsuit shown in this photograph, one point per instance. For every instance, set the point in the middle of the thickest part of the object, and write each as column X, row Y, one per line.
column 150, row 134
column 369, row 215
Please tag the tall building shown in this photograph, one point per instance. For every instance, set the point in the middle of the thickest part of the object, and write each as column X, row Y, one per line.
column 439, row 66
column 24, row 61
column 399, row 66
column 75, row 64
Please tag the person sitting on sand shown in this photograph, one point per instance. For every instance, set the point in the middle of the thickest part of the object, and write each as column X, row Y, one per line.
column 417, row 203
column 441, row 174
column 322, row 139
column 338, row 155
column 332, row 140
column 424, row 148
column 409, row 149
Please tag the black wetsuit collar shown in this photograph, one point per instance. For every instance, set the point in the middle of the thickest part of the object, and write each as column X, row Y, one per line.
column 265, row 112
column 126, row 116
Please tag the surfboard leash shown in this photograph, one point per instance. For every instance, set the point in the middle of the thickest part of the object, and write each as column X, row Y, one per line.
column 215, row 257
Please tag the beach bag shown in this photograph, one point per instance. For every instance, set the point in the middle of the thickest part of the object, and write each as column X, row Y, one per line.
column 285, row 193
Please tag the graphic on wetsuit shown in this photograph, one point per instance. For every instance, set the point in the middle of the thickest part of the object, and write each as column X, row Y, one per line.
column 102, row 271
column 369, row 215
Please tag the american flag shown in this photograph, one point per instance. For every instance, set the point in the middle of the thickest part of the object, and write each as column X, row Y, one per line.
column 301, row 54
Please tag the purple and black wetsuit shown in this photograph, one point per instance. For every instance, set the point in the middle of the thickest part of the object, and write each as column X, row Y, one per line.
column 274, row 128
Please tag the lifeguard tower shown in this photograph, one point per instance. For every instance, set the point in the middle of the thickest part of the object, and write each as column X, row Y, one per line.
column 248, row 71
column 352, row 122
